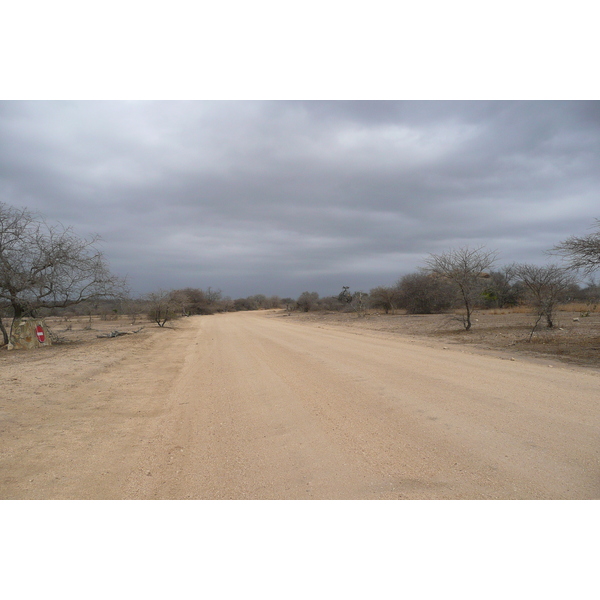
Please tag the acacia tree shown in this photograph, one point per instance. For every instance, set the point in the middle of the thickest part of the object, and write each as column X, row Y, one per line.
column 49, row 266
column 289, row 303
column 582, row 253
column 547, row 287
column 357, row 301
column 181, row 301
column 466, row 268
column 307, row 300
column 163, row 306
column 384, row 297
column 422, row 293
column 200, row 302
column 502, row 288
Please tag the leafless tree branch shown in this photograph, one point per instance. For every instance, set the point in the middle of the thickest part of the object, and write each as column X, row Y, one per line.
column 466, row 268
column 581, row 253
column 47, row 266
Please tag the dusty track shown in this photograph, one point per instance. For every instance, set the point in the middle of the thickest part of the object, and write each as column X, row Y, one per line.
column 253, row 405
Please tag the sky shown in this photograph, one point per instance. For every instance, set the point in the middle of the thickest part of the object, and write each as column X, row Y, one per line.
column 281, row 197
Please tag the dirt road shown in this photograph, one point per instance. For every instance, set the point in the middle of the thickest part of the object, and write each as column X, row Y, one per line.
column 257, row 406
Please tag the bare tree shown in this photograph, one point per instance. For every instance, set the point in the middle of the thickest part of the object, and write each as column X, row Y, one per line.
column 181, row 301
column 134, row 308
column 384, row 297
column 332, row 303
column 48, row 266
column 502, row 288
column 194, row 301
column 213, row 297
column 163, row 306
column 582, row 253
column 425, row 293
column 258, row 301
column 289, row 303
column 307, row 300
column 546, row 287
column 198, row 301
column 274, row 302
column 356, row 301
column 360, row 302
column 467, row 268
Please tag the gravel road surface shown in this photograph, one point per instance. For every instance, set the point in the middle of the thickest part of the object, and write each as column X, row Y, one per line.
column 258, row 406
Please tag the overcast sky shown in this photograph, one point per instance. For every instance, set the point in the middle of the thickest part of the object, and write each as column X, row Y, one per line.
column 281, row 197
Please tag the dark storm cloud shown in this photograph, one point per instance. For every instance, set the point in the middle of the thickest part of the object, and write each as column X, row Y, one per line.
column 278, row 197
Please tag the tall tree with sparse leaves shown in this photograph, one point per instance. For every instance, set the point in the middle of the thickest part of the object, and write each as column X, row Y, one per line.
column 546, row 287
column 49, row 266
column 467, row 269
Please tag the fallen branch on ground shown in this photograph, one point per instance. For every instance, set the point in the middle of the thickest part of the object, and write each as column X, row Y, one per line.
column 114, row 334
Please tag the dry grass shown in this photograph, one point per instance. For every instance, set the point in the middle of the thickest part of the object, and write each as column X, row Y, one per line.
column 580, row 307
column 575, row 338
column 572, row 307
column 83, row 330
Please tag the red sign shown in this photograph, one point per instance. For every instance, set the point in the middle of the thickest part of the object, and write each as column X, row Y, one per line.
column 39, row 331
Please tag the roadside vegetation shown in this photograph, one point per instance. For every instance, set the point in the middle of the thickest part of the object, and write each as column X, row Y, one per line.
column 48, row 271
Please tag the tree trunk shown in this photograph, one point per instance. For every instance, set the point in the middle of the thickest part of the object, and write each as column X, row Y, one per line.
column 18, row 310
column 467, row 302
column 4, row 332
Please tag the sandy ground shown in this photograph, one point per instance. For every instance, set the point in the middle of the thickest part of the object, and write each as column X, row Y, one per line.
column 575, row 339
column 263, row 406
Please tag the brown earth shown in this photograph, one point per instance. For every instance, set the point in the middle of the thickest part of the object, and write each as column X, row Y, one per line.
column 268, row 406
column 574, row 339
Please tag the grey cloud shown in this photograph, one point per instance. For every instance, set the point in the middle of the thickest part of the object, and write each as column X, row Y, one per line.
column 300, row 195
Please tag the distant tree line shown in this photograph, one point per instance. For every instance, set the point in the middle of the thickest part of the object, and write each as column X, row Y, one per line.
column 425, row 293
column 165, row 306
column 47, row 269
column 162, row 306
column 462, row 278
column 465, row 278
